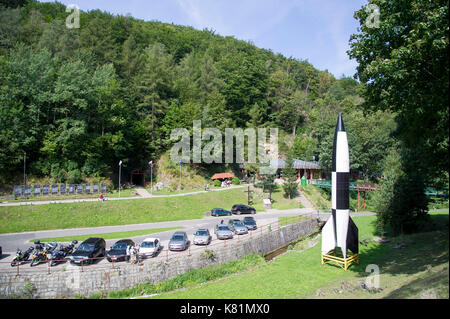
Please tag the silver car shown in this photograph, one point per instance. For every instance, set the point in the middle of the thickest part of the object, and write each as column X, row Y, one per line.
column 179, row 241
column 223, row 232
column 237, row 226
column 202, row 237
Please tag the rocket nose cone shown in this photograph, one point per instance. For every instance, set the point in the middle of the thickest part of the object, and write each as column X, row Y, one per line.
column 340, row 123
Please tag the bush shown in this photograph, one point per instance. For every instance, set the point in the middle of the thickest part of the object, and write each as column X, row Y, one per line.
column 235, row 181
column 217, row 183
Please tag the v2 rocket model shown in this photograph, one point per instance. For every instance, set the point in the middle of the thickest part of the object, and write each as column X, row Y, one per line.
column 340, row 230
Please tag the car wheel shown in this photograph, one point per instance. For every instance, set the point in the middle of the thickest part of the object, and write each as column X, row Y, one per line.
column 238, row 212
column 253, row 211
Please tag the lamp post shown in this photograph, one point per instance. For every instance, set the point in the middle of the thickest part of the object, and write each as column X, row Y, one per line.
column 151, row 177
column 24, row 170
column 120, row 166
column 179, row 186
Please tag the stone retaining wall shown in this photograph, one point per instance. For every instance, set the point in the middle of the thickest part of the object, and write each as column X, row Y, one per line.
column 95, row 279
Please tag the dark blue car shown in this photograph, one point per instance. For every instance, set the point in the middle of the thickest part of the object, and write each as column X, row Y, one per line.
column 220, row 212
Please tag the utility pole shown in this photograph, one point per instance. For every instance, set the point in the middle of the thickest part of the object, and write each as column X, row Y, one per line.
column 120, row 166
column 179, row 186
column 24, row 170
column 248, row 191
column 151, row 177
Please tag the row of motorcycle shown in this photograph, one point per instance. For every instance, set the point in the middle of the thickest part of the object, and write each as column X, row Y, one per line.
column 44, row 252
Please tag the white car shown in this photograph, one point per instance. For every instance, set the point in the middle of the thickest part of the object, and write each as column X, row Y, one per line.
column 149, row 247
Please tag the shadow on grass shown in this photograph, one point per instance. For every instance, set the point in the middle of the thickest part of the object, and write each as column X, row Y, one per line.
column 416, row 252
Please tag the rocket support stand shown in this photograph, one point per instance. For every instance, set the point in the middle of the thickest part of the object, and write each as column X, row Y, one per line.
column 336, row 256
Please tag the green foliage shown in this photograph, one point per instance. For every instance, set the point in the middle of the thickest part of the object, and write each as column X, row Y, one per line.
column 235, row 181
column 217, row 183
column 290, row 184
column 401, row 204
column 405, row 68
column 115, row 89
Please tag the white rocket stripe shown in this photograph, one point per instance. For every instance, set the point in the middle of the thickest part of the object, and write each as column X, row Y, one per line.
column 333, row 190
column 342, row 154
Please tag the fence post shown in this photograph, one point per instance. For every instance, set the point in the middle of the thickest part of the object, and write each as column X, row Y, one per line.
column 167, row 254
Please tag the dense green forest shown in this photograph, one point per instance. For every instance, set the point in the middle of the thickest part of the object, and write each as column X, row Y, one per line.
column 77, row 101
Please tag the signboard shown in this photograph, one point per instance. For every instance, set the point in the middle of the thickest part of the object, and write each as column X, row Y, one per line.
column 27, row 191
column 17, row 191
column 80, row 189
column 103, row 188
column 37, row 190
column 71, row 188
column 45, row 189
column 95, row 188
column 62, row 189
column 87, row 188
column 54, row 189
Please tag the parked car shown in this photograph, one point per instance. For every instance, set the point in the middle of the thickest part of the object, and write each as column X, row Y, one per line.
column 223, row 232
column 237, row 226
column 250, row 223
column 150, row 247
column 179, row 241
column 220, row 212
column 119, row 250
column 242, row 209
column 90, row 248
column 202, row 237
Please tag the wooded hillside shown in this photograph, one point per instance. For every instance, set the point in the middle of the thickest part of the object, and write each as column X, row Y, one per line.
column 79, row 100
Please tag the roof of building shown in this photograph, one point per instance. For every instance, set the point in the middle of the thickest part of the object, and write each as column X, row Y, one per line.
column 281, row 163
column 222, row 176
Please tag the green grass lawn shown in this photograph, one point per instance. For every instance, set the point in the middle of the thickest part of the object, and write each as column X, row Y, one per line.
column 133, row 211
column 278, row 201
column 116, row 235
column 316, row 195
column 405, row 272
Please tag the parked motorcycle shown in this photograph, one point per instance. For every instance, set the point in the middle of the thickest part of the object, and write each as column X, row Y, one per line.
column 59, row 255
column 21, row 256
column 41, row 252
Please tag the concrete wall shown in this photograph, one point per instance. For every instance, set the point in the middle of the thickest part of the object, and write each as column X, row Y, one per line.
column 94, row 279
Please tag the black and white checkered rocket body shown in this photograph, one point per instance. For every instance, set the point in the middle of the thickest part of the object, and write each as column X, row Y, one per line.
column 340, row 230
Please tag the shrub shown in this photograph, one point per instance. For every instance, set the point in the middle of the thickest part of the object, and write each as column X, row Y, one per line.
column 235, row 181
column 217, row 183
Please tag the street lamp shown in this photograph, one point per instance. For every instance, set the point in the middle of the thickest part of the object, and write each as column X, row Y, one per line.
column 120, row 166
column 24, row 169
column 151, row 177
column 179, row 186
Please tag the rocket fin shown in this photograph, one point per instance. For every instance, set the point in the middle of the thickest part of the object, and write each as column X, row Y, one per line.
column 328, row 236
column 352, row 237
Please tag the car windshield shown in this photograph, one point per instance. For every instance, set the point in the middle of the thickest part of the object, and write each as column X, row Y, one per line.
column 86, row 247
column 121, row 245
column 201, row 233
column 147, row 244
column 178, row 237
column 238, row 223
column 217, row 209
column 249, row 220
column 223, row 228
